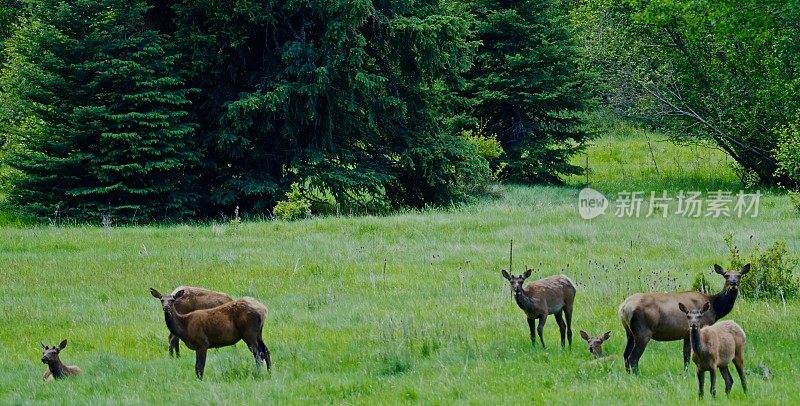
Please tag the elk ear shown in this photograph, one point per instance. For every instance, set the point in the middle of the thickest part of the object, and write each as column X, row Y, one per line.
column 682, row 307
column 179, row 294
column 745, row 269
column 155, row 293
column 62, row 345
column 607, row 335
column 706, row 307
column 527, row 274
column 505, row 274
column 718, row 269
column 584, row 335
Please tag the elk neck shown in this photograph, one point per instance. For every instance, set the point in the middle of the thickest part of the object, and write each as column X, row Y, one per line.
column 176, row 322
column 722, row 302
column 694, row 340
column 56, row 368
column 524, row 302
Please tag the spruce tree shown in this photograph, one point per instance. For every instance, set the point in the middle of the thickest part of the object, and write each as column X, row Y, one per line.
column 98, row 123
column 525, row 86
column 346, row 98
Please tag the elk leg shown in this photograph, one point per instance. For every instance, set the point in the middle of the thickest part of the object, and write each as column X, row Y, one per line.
column 568, row 314
column 200, row 362
column 739, row 364
column 687, row 352
column 639, row 345
column 264, row 351
column 532, row 327
column 628, row 350
column 713, row 382
column 174, row 344
column 562, row 327
column 540, row 328
column 256, row 350
column 700, row 378
column 726, row 376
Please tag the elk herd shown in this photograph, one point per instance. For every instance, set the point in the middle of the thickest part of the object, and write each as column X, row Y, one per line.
column 205, row 319
column 688, row 316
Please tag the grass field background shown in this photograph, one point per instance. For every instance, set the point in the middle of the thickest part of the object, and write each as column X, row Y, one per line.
column 401, row 309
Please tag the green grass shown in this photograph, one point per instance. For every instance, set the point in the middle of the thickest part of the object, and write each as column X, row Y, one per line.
column 438, row 326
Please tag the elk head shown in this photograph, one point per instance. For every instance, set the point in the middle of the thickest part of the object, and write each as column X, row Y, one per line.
column 516, row 281
column 693, row 316
column 596, row 343
column 50, row 354
column 732, row 278
column 168, row 300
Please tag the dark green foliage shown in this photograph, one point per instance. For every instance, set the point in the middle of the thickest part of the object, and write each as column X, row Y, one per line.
column 10, row 11
column 719, row 71
column 526, row 88
column 787, row 155
column 771, row 273
column 342, row 97
column 96, row 117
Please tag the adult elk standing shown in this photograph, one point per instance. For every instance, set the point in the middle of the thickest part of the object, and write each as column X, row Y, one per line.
column 552, row 295
column 193, row 299
column 221, row 326
column 656, row 316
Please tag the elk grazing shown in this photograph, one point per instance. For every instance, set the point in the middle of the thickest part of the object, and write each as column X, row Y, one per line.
column 55, row 368
column 193, row 299
column 221, row 326
column 552, row 295
column 656, row 316
column 714, row 347
column 596, row 343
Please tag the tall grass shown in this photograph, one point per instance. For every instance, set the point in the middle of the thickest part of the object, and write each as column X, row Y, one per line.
column 409, row 308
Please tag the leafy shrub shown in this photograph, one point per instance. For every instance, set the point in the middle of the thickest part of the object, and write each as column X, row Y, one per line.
column 294, row 207
column 788, row 157
column 701, row 284
column 788, row 154
column 489, row 148
column 771, row 271
column 795, row 198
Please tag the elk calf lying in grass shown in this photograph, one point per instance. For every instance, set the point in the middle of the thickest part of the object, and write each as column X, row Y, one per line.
column 596, row 343
column 714, row 347
column 55, row 368
column 193, row 299
column 552, row 295
column 656, row 316
column 221, row 326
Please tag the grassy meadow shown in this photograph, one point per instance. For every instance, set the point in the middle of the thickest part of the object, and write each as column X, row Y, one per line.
column 409, row 308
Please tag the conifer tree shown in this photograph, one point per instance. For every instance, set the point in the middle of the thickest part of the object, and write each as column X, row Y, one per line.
column 526, row 88
column 97, row 120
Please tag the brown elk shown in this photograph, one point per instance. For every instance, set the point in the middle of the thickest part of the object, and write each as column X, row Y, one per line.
column 193, row 299
column 221, row 326
column 714, row 347
column 596, row 343
column 656, row 316
column 55, row 368
column 552, row 295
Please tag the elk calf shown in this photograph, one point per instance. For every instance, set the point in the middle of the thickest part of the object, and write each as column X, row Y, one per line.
column 193, row 299
column 55, row 368
column 221, row 326
column 596, row 343
column 714, row 347
column 552, row 295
